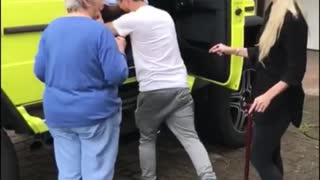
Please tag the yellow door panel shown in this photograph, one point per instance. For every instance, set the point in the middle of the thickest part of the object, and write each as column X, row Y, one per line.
column 19, row 83
column 20, row 47
column 30, row 12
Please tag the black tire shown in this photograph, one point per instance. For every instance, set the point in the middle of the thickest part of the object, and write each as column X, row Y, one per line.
column 9, row 160
column 232, row 124
column 220, row 117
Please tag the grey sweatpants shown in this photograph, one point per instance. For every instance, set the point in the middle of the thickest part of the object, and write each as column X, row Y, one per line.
column 175, row 107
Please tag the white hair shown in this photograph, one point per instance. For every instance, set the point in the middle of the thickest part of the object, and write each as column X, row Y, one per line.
column 73, row 5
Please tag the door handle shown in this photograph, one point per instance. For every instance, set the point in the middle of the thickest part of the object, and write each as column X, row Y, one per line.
column 238, row 11
column 24, row 29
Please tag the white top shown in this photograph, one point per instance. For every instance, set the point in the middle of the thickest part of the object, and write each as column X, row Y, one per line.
column 156, row 53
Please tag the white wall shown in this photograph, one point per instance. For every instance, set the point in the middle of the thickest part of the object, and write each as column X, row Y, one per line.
column 310, row 9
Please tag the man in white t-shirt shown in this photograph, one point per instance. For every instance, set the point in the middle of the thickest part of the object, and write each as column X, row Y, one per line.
column 164, row 95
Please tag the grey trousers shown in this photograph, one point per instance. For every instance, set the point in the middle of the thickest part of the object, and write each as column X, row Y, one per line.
column 175, row 107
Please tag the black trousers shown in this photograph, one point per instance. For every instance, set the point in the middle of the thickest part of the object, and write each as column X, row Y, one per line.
column 266, row 145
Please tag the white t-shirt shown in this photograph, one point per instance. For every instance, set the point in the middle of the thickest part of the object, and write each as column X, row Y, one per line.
column 156, row 53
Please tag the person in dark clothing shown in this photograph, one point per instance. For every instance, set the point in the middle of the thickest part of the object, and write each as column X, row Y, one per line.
column 280, row 61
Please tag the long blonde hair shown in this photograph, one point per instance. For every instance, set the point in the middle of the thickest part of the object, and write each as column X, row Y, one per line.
column 274, row 25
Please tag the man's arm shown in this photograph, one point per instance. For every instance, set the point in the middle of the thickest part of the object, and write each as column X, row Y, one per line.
column 124, row 25
column 111, row 27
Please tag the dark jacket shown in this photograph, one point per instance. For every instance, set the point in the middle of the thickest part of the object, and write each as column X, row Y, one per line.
column 286, row 62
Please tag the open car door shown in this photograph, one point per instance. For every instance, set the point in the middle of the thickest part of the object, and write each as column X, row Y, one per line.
column 203, row 23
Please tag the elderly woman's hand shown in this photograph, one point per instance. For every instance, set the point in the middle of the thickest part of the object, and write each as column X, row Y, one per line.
column 122, row 43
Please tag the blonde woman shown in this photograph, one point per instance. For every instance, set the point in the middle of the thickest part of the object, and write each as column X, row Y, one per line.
column 280, row 61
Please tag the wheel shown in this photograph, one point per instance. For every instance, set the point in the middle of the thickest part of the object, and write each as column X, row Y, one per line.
column 9, row 161
column 235, row 130
column 220, row 116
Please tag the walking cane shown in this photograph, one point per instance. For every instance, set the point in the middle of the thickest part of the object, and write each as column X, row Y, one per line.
column 248, row 142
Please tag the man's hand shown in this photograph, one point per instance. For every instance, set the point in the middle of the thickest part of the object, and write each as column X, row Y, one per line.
column 122, row 43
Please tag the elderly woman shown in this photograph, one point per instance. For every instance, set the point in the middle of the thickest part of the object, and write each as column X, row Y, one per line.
column 81, row 65
column 280, row 59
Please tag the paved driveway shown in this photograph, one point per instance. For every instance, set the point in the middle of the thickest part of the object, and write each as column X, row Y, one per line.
column 300, row 150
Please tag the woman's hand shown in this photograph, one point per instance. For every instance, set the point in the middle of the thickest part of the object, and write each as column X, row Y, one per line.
column 221, row 49
column 261, row 103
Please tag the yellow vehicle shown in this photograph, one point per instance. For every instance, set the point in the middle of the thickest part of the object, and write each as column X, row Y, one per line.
column 219, row 84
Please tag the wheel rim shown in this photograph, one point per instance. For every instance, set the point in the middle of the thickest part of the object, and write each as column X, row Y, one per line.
column 238, row 114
